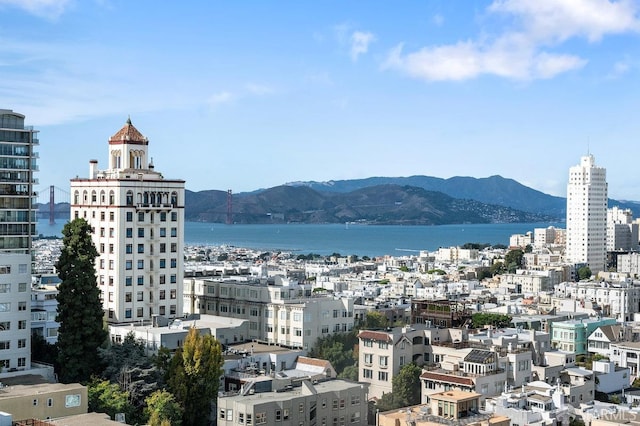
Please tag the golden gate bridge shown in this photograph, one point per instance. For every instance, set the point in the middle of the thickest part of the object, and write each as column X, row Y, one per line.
column 52, row 201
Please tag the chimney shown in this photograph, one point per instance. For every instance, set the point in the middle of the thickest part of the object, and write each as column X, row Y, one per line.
column 93, row 169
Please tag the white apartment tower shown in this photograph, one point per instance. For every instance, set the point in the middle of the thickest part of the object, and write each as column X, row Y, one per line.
column 138, row 221
column 587, row 214
column 17, row 227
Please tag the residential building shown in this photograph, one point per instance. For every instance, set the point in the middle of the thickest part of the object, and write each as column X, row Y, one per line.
column 622, row 232
column 619, row 300
column 578, row 385
column 536, row 403
column 171, row 334
column 521, row 240
column 530, row 281
column 279, row 310
column 626, row 354
column 450, row 407
column 330, row 402
column 587, row 214
column 44, row 306
column 40, row 400
column 17, row 227
column 543, row 237
column 629, row 263
column 611, row 378
column 138, row 220
column 441, row 313
column 571, row 335
column 600, row 340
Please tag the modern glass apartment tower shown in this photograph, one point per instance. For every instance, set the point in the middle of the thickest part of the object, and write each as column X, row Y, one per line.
column 587, row 200
column 17, row 228
column 138, row 221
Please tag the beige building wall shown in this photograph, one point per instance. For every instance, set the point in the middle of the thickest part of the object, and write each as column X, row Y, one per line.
column 43, row 401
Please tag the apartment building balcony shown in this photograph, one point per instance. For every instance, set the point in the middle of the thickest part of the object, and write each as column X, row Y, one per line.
column 437, row 369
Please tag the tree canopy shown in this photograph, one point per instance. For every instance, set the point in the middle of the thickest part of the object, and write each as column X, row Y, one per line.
column 405, row 389
column 194, row 376
column 584, row 273
column 482, row 319
column 79, row 312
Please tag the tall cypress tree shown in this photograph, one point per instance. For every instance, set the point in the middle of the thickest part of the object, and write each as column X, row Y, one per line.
column 80, row 313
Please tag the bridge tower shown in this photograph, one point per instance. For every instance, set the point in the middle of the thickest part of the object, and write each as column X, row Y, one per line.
column 52, row 205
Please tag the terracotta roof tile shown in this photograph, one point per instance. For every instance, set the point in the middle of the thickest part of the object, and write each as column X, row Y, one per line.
column 313, row 361
column 128, row 133
column 375, row 335
column 439, row 377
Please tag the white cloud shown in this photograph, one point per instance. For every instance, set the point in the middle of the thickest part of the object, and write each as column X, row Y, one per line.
column 619, row 68
column 559, row 20
column 525, row 51
column 466, row 60
column 360, row 43
column 220, row 98
column 259, row 89
column 50, row 9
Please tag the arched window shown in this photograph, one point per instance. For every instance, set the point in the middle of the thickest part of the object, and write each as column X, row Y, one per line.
column 146, row 198
column 129, row 198
column 112, row 198
column 84, row 197
column 76, row 197
column 139, row 197
column 174, row 198
column 102, row 197
column 94, row 197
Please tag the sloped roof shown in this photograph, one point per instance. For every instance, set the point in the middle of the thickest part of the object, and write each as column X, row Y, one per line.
column 375, row 335
column 314, row 362
column 128, row 133
column 611, row 331
column 480, row 356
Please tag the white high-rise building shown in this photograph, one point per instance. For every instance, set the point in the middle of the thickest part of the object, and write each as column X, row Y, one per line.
column 17, row 227
column 622, row 232
column 138, row 221
column 587, row 214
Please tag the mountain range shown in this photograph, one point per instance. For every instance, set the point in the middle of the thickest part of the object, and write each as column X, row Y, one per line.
column 413, row 200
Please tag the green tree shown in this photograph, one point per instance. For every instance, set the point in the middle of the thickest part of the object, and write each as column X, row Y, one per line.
column 127, row 364
column 194, row 376
column 337, row 348
column 105, row 397
column 406, row 386
column 43, row 351
column 80, row 313
column 497, row 268
column 513, row 260
column 162, row 407
column 350, row 372
column 481, row 319
column 584, row 273
column 374, row 319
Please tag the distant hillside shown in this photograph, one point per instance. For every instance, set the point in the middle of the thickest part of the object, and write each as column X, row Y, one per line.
column 491, row 190
column 389, row 200
column 382, row 204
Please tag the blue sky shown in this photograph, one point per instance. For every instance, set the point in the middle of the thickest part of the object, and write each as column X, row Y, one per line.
column 248, row 95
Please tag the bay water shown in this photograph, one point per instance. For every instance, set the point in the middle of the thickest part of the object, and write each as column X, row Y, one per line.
column 346, row 239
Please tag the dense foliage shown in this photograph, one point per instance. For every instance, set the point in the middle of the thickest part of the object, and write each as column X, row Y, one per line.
column 194, row 376
column 405, row 389
column 482, row 319
column 80, row 313
column 584, row 273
